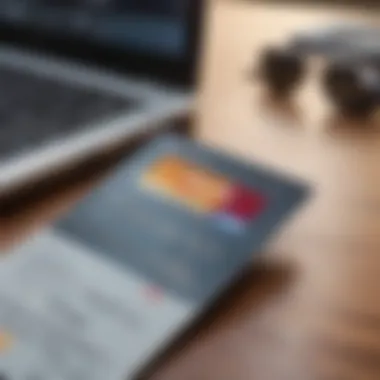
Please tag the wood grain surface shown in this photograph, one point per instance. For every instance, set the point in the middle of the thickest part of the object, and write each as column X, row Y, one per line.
column 321, row 320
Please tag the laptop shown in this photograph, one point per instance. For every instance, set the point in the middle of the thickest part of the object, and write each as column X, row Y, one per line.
column 79, row 76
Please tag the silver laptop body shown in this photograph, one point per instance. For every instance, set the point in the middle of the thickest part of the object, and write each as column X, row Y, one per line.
column 65, row 96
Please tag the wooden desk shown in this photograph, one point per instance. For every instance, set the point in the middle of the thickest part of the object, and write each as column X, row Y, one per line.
column 324, row 323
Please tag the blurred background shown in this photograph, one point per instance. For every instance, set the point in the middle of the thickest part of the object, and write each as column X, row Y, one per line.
column 312, row 310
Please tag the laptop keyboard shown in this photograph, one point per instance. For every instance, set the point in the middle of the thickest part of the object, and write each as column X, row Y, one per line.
column 35, row 109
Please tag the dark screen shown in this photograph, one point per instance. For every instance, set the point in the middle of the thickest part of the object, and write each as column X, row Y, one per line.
column 152, row 27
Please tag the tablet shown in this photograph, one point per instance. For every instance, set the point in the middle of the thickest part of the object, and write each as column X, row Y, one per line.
column 99, row 294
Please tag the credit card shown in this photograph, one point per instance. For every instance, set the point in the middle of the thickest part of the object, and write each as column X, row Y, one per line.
column 134, row 263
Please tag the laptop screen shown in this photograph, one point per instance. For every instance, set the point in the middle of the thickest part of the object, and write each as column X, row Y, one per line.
column 150, row 27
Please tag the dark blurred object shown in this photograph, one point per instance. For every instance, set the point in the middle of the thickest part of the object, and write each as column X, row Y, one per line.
column 353, row 87
column 281, row 70
column 330, row 42
column 352, row 78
